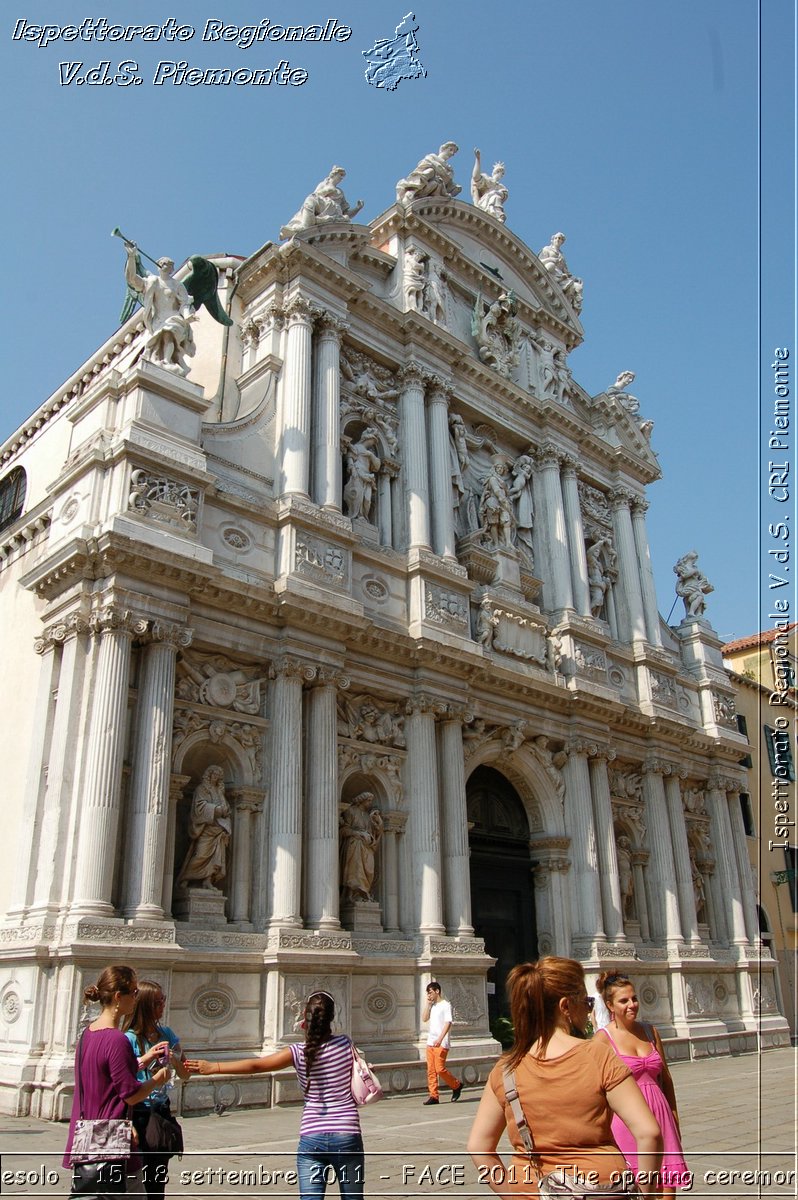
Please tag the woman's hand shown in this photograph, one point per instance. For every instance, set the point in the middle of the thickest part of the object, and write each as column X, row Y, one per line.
column 155, row 1052
column 161, row 1076
column 201, row 1066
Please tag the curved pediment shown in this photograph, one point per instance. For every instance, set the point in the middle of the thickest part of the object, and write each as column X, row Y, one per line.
column 479, row 249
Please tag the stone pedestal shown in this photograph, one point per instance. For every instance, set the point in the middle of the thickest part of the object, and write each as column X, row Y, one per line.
column 201, row 906
column 363, row 917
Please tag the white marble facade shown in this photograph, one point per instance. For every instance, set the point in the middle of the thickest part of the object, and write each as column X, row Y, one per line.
column 392, row 546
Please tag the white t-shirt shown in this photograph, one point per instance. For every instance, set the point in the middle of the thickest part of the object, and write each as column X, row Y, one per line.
column 440, row 1015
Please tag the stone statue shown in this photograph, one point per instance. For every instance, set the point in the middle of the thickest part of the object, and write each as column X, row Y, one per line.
column 497, row 332
column 699, row 895
column 363, row 382
column 360, row 829
column 458, row 456
column 487, row 191
column 362, row 465
column 327, row 203
column 168, row 312
column 432, row 177
column 618, row 392
column 209, row 829
column 487, row 624
column 626, row 876
column 414, row 278
column 496, row 508
column 553, row 260
column 553, row 652
column 598, row 579
column 435, row 292
column 692, row 585
column 520, row 492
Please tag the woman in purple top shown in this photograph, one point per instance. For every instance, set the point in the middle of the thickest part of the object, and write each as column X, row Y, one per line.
column 106, row 1067
column 329, row 1135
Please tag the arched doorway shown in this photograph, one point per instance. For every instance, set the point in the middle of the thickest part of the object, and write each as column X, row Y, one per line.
column 502, row 887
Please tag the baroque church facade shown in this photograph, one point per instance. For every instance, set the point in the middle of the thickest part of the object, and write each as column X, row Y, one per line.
column 338, row 662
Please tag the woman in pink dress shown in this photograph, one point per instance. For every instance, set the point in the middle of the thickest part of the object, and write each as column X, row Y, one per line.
column 640, row 1047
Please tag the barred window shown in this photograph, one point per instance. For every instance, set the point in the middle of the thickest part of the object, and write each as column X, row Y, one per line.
column 779, row 753
column 12, row 496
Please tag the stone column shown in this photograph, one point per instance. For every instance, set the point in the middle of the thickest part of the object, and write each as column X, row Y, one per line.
column 648, row 592
column 322, row 893
column 747, row 891
column 611, row 900
column 639, row 861
column 725, row 861
column 102, row 779
column 550, row 872
column 454, row 827
column 293, row 431
column 149, row 786
column 627, row 560
column 576, row 536
column 548, row 460
column 440, row 471
column 414, row 457
column 423, row 814
column 246, row 802
column 177, row 785
column 394, row 827
column 579, row 826
column 51, row 777
column 285, row 833
column 661, row 868
column 681, row 856
column 327, row 481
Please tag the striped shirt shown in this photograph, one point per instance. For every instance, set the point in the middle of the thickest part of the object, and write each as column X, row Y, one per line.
column 329, row 1106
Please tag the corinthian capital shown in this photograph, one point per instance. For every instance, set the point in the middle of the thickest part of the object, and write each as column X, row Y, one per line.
column 110, row 619
column 299, row 310
column 549, row 454
column 179, row 637
column 621, row 498
column 329, row 327
column 411, row 375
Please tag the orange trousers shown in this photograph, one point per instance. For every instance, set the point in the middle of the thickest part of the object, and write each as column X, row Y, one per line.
column 436, row 1065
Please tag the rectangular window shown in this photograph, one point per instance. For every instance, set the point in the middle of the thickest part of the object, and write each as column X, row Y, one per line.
column 742, row 725
column 779, row 753
column 791, row 855
column 748, row 814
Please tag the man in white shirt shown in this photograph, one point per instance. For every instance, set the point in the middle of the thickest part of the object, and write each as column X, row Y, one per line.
column 439, row 1014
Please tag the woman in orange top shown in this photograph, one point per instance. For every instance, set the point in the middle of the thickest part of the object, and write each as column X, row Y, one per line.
column 569, row 1089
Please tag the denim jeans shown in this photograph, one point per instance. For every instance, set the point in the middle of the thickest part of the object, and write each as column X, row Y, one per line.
column 323, row 1157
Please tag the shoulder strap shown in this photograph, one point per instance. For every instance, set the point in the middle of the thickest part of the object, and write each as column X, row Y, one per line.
column 77, row 1075
column 512, row 1098
column 605, row 1030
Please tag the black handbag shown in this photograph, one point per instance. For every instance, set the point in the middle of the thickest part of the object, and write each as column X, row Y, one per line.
column 163, row 1133
column 96, row 1180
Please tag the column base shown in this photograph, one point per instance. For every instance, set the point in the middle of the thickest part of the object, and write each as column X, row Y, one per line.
column 91, row 908
column 144, row 912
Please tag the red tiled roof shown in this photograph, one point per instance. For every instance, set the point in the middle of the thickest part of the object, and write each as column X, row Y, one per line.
column 756, row 639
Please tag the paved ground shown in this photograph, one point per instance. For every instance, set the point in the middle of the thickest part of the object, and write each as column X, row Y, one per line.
column 738, row 1117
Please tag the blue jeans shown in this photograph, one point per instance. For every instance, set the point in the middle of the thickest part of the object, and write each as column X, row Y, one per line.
column 323, row 1157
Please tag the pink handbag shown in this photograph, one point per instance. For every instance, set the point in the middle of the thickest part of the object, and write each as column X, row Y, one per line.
column 366, row 1087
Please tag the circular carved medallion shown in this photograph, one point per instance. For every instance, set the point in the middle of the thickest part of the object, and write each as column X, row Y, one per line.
column 213, row 1006
column 10, row 1006
column 379, row 1004
column 219, row 690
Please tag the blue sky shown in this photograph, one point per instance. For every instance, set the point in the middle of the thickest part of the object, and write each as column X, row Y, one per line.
column 632, row 127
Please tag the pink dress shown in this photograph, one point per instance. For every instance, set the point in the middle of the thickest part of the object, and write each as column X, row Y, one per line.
column 646, row 1071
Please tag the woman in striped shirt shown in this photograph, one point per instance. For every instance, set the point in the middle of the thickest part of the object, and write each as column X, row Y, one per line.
column 330, row 1142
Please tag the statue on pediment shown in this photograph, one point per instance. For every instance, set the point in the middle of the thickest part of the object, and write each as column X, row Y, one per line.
column 553, row 260
column 487, row 191
column 618, row 392
column 327, row 203
column 692, row 585
column 168, row 312
column 432, row 177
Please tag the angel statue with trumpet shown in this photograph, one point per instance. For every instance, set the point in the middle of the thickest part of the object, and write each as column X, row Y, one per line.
column 169, row 304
